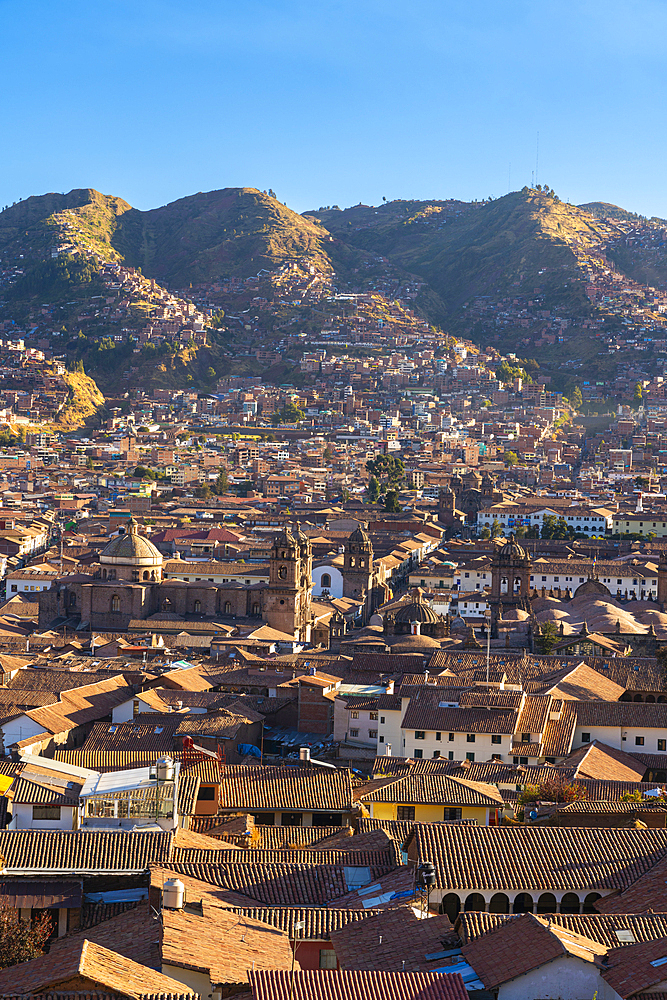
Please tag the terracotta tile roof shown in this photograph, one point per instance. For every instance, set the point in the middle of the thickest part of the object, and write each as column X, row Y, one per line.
column 89, row 851
column 223, row 943
column 397, row 829
column 84, row 958
column 276, row 788
column 318, row 922
column 558, row 733
column 131, row 932
column 275, row 837
column 154, row 733
column 537, row 858
column 583, row 684
column 278, row 883
column 305, row 856
column 394, row 940
column 339, row 984
column 598, row 760
column 598, row 927
column 631, row 969
column 630, row 714
column 648, row 892
column 82, row 705
column 534, row 715
column 436, row 789
column 425, row 713
column 396, row 888
column 516, row 947
column 26, row 790
column 601, row 807
column 494, row 699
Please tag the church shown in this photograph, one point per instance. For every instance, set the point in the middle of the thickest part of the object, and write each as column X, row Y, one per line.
column 128, row 587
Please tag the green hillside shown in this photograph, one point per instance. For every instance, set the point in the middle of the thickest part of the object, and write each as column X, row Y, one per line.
column 512, row 245
column 204, row 236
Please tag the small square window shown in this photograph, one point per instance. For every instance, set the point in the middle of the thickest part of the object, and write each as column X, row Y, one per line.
column 525, row 737
column 470, row 756
column 372, row 734
column 438, row 736
column 354, row 732
column 354, row 715
column 436, row 753
column 470, row 738
column 382, row 720
column 639, row 741
column 496, row 739
column 662, row 745
column 450, row 755
column 373, row 716
column 452, row 814
column 419, row 754
column 405, row 812
column 585, row 737
column 328, row 959
column 381, row 739
column 420, row 734
column 451, row 737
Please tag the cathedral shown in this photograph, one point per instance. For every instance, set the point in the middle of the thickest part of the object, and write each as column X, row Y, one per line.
column 129, row 587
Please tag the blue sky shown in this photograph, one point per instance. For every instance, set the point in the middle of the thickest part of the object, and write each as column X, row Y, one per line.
column 334, row 102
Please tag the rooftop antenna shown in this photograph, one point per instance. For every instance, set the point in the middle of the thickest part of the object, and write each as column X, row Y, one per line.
column 537, row 157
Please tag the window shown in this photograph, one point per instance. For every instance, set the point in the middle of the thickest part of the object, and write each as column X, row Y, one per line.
column 662, row 745
column 436, row 754
column 14, row 588
column 328, row 958
column 354, row 732
column 197, row 607
column 420, row 734
column 496, row 739
column 326, row 582
column 115, row 603
column 419, row 754
column 450, row 755
column 372, row 734
column 373, row 716
column 470, row 738
column 639, row 741
column 405, row 812
column 382, row 720
column 523, row 760
column 451, row 737
column 585, row 737
column 354, row 715
column 496, row 756
column 438, row 736
column 381, row 739
column 46, row 812
column 470, row 756
column 206, row 794
column 452, row 814
column 525, row 737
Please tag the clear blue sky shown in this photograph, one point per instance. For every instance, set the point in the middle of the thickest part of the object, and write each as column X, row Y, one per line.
column 334, row 102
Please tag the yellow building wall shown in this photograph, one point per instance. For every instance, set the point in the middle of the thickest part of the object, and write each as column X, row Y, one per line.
column 429, row 814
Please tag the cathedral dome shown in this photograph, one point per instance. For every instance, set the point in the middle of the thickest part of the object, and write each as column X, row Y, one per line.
column 511, row 551
column 417, row 611
column 131, row 549
column 359, row 536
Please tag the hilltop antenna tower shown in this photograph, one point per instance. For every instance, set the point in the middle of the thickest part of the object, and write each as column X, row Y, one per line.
column 537, row 158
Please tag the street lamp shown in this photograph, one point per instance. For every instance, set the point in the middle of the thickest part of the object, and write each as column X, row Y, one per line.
column 425, row 882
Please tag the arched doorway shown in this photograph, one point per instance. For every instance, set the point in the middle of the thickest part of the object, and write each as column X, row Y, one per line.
column 570, row 903
column 499, row 903
column 451, row 905
column 523, row 903
column 475, row 902
column 590, row 901
column 547, row 903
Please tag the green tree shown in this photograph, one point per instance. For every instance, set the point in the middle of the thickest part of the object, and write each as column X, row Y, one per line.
column 549, row 525
column 511, row 458
column 141, row 472
column 389, row 469
column 638, row 396
column 89, row 462
column 486, row 533
column 391, row 502
column 496, row 529
column 546, row 638
column 210, row 373
column 21, row 940
column 221, row 485
column 327, row 454
column 373, row 489
column 289, row 414
column 577, row 399
column 203, row 491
